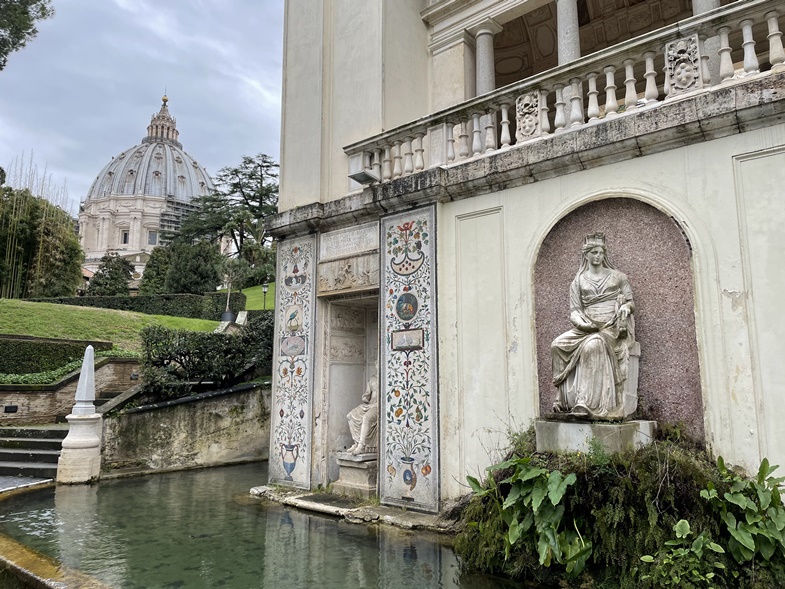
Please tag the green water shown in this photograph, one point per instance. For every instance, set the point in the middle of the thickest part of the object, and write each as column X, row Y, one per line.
column 200, row 529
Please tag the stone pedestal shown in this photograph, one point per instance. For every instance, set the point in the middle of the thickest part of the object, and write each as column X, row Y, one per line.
column 575, row 436
column 80, row 459
column 358, row 474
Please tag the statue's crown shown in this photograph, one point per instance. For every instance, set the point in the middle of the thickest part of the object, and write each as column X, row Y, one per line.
column 592, row 240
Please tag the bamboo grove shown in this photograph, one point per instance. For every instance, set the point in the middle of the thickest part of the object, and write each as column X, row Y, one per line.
column 40, row 255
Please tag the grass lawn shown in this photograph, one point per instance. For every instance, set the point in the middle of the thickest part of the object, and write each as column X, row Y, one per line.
column 87, row 323
column 255, row 297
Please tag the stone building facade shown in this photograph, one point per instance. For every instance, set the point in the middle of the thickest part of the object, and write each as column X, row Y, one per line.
column 442, row 161
column 143, row 191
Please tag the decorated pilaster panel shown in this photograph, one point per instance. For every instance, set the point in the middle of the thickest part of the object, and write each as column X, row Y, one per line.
column 293, row 364
column 409, row 416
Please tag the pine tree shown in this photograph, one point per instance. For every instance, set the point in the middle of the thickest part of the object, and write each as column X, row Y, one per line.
column 112, row 277
column 154, row 278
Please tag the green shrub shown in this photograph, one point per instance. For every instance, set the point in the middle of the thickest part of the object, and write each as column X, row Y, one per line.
column 174, row 360
column 207, row 306
column 57, row 374
column 627, row 506
column 21, row 355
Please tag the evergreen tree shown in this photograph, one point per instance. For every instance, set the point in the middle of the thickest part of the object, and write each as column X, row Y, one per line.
column 194, row 268
column 154, row 278
column 17, row 23
column 245, row 196
column 112, row 277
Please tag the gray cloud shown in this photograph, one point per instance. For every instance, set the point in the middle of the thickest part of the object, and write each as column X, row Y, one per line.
column 85, row 88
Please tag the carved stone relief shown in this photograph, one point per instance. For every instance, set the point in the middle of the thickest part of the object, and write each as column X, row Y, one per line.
column 527, row 116
column 349, row 274
column 347, row 319
column 346, row 242
column 347, row 349
column 683, row 65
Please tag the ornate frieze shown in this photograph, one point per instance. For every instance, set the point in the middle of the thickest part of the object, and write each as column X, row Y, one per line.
column 349, row 274
column 409, row 471
column 290, row 432
column 683, row 65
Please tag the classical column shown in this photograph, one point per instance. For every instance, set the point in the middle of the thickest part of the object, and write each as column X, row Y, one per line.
column 701, row 6
column 485, row 68
column 711, row 45
column 483, row 55
column 569, row 41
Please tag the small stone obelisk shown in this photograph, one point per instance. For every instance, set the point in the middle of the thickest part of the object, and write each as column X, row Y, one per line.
column 80, row 459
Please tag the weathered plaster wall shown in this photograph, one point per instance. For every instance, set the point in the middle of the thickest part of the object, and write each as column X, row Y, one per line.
column 44, row 403
column 725, row 196
column 225, row 429
column 345, row 64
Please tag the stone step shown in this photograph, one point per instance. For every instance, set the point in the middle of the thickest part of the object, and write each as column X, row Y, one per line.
column 28, row 469
column 19, row 455
column 32, row 443
column 54, row 431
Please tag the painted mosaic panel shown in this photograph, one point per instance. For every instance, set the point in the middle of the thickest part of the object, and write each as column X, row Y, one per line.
column 290, row 434
column 409, row 473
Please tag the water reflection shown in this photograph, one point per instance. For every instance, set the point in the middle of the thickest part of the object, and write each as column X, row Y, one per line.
column 201, row 529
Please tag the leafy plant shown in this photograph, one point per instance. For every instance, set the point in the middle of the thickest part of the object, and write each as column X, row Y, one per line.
column 752, row 511
column 684, row 561
column 532, row 511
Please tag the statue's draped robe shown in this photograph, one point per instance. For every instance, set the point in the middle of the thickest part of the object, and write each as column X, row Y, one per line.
column 590, row 367
column 364, row 419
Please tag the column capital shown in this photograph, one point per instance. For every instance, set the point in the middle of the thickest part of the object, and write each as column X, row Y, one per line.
column 488, row 26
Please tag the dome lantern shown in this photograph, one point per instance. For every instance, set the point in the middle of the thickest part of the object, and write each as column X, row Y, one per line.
column 163, row 126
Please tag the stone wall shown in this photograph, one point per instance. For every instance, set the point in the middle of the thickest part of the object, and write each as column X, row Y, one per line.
column 204, row 430
column 45, row 403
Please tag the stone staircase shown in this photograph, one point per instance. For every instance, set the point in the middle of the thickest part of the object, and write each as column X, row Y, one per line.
column 31, row 451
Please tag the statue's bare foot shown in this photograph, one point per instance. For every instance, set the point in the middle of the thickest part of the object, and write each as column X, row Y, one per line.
column 357, row 449
column 353, row 448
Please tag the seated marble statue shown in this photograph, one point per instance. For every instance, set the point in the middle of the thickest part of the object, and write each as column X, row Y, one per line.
column 364, row 419
column 590, row 361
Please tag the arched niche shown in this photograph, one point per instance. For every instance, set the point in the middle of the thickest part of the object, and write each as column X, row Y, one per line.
column 651, row 249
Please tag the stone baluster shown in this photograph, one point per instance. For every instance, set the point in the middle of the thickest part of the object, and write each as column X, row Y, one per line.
column 726, row 62
column 463, row 148
column 397, row 168
column 387, row 164
column 450, row 142
column 776, row 51
column 593, row 112
column 408, row 159
column 611, row 104
column 419, row 161
column 505, row 138
column 750, row 59
column 545, row 124
column 576, row 103
column 476, row 134
column 651, row 93
column 560, row 120
column 490, row 131
column 630, row 94
column 705, row 69
column 376, row 165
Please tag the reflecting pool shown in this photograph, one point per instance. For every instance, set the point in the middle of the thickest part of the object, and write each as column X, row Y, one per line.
column 201, row 529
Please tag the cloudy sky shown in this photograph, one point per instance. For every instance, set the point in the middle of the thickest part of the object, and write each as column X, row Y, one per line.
column 84, row 89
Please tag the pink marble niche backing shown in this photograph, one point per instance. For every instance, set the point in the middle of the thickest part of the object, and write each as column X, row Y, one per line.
column 649, row 247
column 409, row 412
column 290, row 431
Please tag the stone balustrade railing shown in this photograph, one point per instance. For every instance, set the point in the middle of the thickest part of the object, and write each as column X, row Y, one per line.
column 638, row 74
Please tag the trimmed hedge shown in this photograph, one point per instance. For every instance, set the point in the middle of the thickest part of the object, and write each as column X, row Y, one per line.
column 208, row 306
column 174, row 360
column 23, row 355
